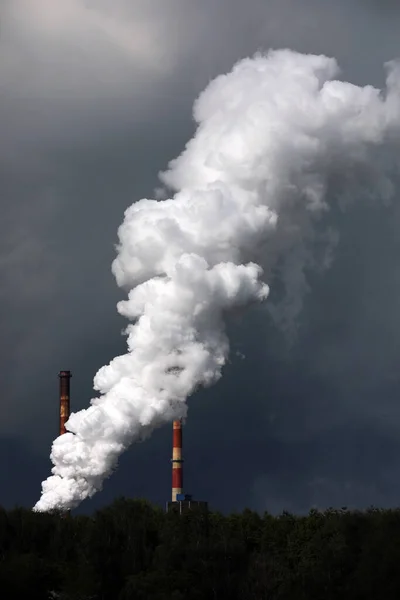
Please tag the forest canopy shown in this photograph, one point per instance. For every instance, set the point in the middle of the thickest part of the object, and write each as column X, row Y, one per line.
column 133, row 550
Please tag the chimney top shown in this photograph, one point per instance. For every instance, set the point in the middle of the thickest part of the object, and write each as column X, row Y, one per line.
column 65, row 374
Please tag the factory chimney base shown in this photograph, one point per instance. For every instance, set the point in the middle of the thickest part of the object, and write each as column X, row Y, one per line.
column 187, row 505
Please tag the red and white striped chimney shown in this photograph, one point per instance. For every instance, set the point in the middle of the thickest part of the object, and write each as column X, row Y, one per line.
column 177, row 461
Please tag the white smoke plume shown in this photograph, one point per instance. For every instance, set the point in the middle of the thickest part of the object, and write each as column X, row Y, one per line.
column 249, row 187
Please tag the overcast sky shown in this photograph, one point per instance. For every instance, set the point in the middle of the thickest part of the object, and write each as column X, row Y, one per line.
column 96, row 98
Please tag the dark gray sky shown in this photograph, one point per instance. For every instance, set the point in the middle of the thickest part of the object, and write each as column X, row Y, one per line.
column 96, row 98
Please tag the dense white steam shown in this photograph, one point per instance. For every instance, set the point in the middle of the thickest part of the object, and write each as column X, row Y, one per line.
column 272, row 137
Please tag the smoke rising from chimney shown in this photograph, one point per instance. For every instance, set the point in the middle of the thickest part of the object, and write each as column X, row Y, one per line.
column 249, row 188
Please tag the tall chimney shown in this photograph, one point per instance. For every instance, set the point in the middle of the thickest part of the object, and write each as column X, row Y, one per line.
column 64, row 376
column 177, row 461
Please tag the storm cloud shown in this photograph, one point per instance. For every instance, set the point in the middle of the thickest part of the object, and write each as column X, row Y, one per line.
column 96, row 99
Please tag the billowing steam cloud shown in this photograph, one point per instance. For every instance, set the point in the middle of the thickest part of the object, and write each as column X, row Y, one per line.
column 272, row 136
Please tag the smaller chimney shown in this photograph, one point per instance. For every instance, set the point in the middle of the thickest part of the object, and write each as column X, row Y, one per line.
column 177, row 461
column 65, row 377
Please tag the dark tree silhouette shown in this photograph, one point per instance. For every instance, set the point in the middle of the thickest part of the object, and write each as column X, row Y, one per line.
column 132, row 550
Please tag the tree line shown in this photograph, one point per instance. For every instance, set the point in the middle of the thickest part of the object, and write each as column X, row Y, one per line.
column 133, row 550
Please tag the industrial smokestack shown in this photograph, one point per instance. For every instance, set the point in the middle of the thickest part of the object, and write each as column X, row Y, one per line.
column 177, row 461
column 64, row 376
